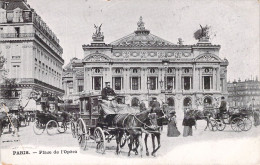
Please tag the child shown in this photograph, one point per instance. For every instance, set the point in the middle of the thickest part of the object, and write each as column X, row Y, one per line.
column 15, row 124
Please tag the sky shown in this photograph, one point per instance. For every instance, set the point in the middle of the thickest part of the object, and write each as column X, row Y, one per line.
column 234, row 25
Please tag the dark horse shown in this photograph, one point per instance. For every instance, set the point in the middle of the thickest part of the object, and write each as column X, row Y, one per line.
column 157, row 120
column 208, row 116
column 134, row 125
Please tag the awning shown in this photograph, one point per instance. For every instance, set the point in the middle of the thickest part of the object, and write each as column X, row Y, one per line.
column 29, row 105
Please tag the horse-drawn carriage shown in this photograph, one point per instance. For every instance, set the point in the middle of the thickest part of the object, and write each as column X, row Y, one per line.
column 239, row 120
column 102, row 121
column 52, row 123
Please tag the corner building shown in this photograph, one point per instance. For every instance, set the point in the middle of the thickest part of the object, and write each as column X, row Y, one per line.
column 31, row 49
column 142, row 66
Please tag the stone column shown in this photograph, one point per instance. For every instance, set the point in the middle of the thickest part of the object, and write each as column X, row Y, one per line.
column 217, row 79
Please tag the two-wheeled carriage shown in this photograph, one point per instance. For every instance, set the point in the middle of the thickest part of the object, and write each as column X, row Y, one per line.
column 93, row 124
column 239, row 121
column 51, row 123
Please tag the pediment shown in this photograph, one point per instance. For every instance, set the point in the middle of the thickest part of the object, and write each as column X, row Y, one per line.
column 208, row 57
column 97, row 57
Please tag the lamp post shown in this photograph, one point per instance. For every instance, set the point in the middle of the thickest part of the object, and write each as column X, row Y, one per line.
column 165, row 64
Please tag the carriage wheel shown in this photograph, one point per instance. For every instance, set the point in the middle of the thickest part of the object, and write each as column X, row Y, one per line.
column 247, row 124
column 38, row 128
column 52, row 127
column 100, row 140
column 73, row 129
column 213, row 125
column 62, row 127
column 123, row 140
column 82, row 134
column 237, row 124
column 220, row 125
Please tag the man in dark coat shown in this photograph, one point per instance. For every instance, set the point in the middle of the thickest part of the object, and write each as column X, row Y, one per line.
column 107, row 91
column 155, row 105
column 223, row 107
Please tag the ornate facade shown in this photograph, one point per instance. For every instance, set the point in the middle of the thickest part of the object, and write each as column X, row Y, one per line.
column 142, row 66
column 31, row 50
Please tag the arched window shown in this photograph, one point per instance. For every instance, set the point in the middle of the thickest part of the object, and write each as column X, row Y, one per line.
column 170, row 101
column 152, row 70
column 206, row 70
column 117, row 70
column 97, row 70
column 207, row 101
column 134, row 70
column 169, row 70
column 186, row 70
column 135, row 102
column 187, row 102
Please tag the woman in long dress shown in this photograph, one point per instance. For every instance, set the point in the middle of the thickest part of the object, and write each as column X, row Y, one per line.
column 172, row 126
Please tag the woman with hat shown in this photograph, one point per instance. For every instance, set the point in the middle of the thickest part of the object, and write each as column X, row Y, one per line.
column 172, row 125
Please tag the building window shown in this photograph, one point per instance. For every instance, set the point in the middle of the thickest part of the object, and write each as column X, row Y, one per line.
column 207, row 80
column 153, row 83
column 134, row 70
column 97, row 70
column 152, row 70
column 80, row 85
column 118, row 70
column 135, row 83
column 206, row 70
column 186, row 70
column 170, row 102
column 169, row 70
column 80, row 88
column 16, row 71
column 207, row 101
column 170, row 83
column 97, row 82
column 17, row 31
column 187, row 102
column 187, row 83
column 70, row 91
column 118, row 83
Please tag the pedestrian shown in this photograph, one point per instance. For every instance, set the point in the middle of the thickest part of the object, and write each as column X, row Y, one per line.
column 15, row 124
column 172, row 125
column 142, row 106
column 188, row 122
column 256, row 118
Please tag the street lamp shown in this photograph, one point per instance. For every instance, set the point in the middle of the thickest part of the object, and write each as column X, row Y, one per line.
column 161, row 83
column 148, row 87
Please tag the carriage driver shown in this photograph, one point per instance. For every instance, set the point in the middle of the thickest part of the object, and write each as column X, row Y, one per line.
column 222, row 108
column 107, row 91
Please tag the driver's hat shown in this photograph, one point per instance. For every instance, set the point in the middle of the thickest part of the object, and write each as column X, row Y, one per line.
column 107, row 82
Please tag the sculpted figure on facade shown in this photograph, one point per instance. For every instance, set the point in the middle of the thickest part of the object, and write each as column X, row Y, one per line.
column 98, row 35
column 204, row 31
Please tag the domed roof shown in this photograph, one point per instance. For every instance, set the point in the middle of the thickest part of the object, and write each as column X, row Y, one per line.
column 141, row 37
